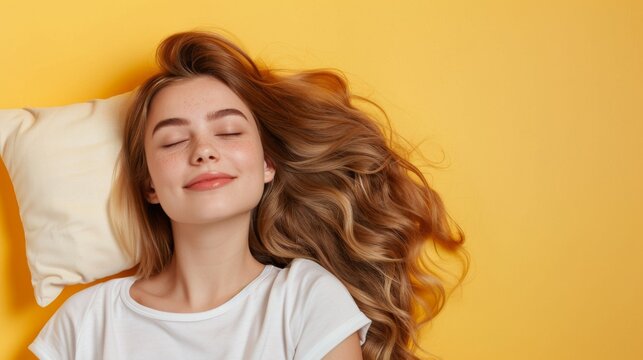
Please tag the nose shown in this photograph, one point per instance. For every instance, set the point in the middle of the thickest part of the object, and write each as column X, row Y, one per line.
column 204, row 152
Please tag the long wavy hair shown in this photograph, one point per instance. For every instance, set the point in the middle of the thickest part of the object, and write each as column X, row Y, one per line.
column 341, row 196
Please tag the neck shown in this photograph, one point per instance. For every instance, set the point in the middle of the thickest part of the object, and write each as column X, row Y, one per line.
column 211, row 263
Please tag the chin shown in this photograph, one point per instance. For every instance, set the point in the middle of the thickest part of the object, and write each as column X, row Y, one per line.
column 207, row 217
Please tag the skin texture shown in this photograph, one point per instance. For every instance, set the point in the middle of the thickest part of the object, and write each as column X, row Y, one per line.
column 200, row 126
column 348, row 349
column 212, row 261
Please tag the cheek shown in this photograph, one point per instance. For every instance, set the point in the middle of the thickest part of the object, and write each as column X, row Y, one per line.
column 161, row 168
column 247, row 153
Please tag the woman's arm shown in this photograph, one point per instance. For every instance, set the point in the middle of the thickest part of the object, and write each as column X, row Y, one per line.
column 348, row 349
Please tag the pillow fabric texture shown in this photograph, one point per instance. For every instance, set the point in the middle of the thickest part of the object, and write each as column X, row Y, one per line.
column 61, row 162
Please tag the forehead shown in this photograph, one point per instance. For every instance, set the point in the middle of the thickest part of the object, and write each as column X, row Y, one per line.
column 193, row 97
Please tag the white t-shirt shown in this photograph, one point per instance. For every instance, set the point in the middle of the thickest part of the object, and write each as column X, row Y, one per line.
column 299, row 312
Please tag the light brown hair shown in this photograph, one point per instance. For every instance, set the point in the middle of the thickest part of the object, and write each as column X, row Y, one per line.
column 341, row 196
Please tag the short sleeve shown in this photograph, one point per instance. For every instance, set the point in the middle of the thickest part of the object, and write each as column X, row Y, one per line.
column 325, row 313
column 59, row 337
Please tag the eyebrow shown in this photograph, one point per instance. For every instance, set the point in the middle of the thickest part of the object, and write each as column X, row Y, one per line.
column 213, row 115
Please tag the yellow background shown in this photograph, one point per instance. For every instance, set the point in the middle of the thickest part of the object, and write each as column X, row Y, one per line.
column 537, row 105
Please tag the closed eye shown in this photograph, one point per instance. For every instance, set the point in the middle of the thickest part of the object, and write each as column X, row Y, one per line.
column 174, row 143
column 229, row 134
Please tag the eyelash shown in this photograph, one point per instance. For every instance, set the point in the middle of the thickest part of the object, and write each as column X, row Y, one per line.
column 221, row 135
column 172, row 144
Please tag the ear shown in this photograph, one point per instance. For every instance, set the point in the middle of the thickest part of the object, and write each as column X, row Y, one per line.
column 150, row 194
column 268, row 170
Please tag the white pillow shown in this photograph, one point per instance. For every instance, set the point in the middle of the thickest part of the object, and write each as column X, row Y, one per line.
column 61, row 162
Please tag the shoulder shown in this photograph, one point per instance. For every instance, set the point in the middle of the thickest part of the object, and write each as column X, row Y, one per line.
column 308, row 277
column 305, row 269
column 95, row 293
column 323, row 311
column 61, row 334
column 301, row 266
column 76, row 308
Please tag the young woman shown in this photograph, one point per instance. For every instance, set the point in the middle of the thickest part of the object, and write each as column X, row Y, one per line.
column 272, row 219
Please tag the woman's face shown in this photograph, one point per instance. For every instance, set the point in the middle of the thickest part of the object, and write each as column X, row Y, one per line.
column 203, row 153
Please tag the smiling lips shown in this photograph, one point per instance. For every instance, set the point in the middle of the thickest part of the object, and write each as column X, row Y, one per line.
column 209, row 181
